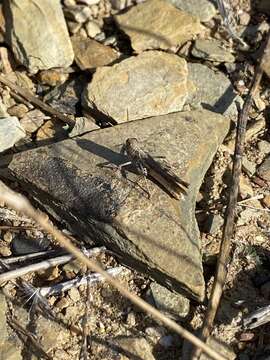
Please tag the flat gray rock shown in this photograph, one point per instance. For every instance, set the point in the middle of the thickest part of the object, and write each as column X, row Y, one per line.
column 37, row 34
column 176, row 306
column 204, row 9
column 158, row 236
column 213, row 90
column 156, row 24
column 152, row 83
column 211, row 50
column 133, row 347
column 10, row 132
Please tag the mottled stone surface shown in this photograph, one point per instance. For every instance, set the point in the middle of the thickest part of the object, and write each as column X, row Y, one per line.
column 152, row 83
column 33, row 120
column 37, row 33
column 204, row 9
column 264, row 169
column 157, row 24
column 211, row 50
column 176, row 306
column 158, row 236
column 213, row 90
column 10, row 132
column 134, row 348
column 90, row 54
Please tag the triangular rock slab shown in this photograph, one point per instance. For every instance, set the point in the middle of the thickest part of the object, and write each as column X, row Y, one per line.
column 158, row 236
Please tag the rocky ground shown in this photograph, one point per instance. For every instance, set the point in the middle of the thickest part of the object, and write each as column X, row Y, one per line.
column 169, row 73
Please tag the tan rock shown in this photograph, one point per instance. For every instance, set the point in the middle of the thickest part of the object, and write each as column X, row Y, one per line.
column 245, row 187
column 90, row 54
column 33, row 120
column 51, row 129
column 134, row 347
column 52, row 77
column 38, row 35
column 266, row 201
column 92, row 28
column 264, row 169
column 156, row 24
column 153, row 83
column 18, row 110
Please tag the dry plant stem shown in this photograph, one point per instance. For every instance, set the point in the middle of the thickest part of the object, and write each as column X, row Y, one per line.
column 35, row 101
column 85, row 332
column 42, row 265
column 78, row 281
column 21, row 204
column 224, row 253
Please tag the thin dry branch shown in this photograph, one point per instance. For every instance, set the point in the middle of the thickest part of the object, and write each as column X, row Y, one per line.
column 43, row 265
column 35, row 101
column 224, row 254
column 21, row 204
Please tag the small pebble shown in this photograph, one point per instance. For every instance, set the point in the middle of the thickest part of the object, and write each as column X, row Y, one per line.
column 74, row 294
column 264, row 146
column 92, row 29
column 4, row 249
column 8, row 236
column 266, row 201
column 18, row 110
column 62, row 303
column 248, row 166
column 73, row 26
column 131, row 319
column 244, row 18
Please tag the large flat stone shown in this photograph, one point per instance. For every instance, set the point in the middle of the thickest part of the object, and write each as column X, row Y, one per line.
column 158, row 236
column 152, row 83
column 37, row 33
column 156, row 24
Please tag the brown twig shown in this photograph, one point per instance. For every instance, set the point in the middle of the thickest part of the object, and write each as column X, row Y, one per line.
column 224, row 253
column 33, row 100
column 21, row 204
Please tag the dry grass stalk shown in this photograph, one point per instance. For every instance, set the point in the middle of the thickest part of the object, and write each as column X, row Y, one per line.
column 21, row 204
column 224, row 254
